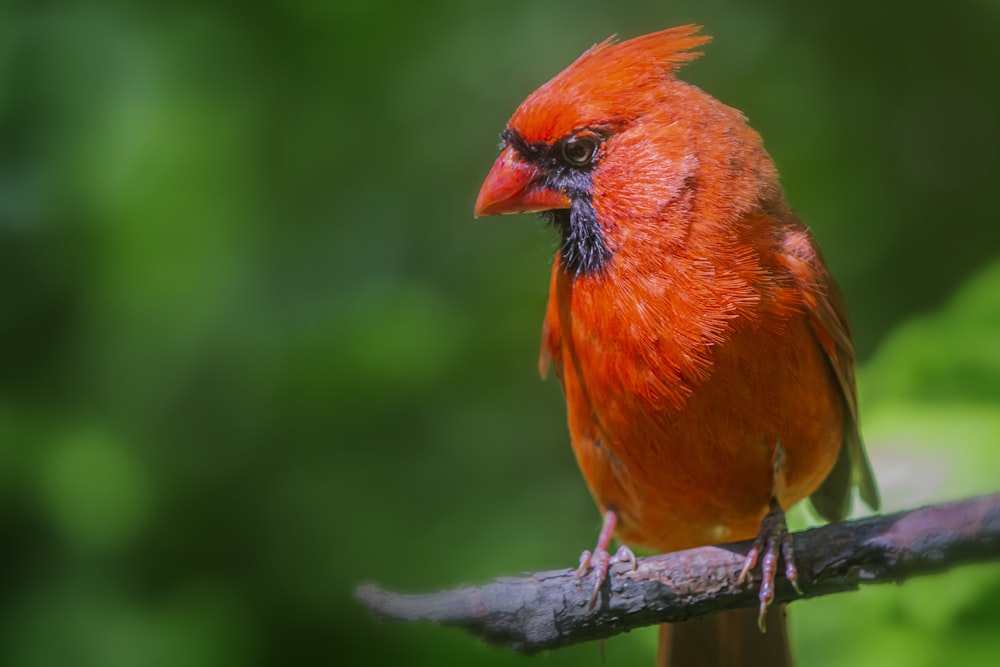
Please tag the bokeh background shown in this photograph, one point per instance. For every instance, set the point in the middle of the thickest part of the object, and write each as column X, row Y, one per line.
column 255, row 350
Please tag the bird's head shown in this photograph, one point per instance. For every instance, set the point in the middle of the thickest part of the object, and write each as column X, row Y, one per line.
column 610, row 142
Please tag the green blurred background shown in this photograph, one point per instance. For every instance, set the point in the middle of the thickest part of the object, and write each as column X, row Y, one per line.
column 255, row 350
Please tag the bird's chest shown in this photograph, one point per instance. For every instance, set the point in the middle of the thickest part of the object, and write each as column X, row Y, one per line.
column 675, row 406
column 637, row 350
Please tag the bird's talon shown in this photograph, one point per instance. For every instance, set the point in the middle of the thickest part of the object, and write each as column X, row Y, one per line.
column 626, row 555
column 792, row 573
column 600, row 560
column 594, row 593
column 773, row 539
column 749, row 563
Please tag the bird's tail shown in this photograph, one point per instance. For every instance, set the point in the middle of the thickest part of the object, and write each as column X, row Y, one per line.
column 729, row 639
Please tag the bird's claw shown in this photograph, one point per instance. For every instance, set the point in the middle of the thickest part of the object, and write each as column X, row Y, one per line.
column 601, row 561
column 626, row 555
column 772, row 539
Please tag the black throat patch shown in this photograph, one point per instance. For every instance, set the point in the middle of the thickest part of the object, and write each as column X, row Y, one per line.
column 582, row 249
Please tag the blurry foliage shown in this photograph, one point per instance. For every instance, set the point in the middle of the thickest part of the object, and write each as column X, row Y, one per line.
column 255, row 349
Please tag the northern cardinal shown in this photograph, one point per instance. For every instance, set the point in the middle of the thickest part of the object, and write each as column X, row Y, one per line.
column 703, row 348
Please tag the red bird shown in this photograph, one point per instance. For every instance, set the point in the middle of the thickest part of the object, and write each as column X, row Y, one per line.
column 703, row 347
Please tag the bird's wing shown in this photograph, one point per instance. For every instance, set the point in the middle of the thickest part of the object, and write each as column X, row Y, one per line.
column 828, row 317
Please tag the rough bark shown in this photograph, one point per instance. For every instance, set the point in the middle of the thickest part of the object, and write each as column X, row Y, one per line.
column 550, row 609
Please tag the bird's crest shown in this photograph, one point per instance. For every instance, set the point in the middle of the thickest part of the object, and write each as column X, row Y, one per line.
column 609, row 83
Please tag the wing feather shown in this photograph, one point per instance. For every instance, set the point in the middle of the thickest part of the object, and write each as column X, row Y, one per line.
column 828, row 318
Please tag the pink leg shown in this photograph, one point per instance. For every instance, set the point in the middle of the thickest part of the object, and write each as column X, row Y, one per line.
column 600, row 560
column 772, row 538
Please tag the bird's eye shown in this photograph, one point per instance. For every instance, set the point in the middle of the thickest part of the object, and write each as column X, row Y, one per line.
column 579, row 150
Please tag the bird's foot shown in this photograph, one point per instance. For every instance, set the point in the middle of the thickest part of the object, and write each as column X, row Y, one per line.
column 772, row 539
column 600, row 560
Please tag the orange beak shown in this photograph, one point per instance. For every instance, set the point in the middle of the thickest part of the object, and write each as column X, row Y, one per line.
column 515, row 186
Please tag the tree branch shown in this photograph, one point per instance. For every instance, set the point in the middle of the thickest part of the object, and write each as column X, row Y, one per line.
column 550, row 609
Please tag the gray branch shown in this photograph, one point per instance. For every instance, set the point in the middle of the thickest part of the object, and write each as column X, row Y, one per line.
column 547, row 610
